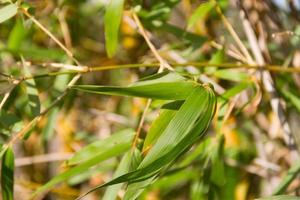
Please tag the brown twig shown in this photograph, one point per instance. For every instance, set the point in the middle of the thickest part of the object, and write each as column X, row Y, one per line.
column 143, row 32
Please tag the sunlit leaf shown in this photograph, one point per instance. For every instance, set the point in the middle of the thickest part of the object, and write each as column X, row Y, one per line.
column 232, row 75
column 112, row 20
column 188, row 124
column 157, row 128
column 168, row 86
column 8, row 12
column 16, row 36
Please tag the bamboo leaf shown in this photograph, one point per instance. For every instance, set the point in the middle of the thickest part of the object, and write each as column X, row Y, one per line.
column 7, row 175
column 102, row 146
column 16, row 36
column 112, row 20
column 182, row 123
column 166, row 85
column 292, row 98
column 8, row 12
column 178, row 131
column 112, row 191
column 232, row 75
column 235, row 90
column 200, row 13
column 157, row 127
column 93, row 157
column 188, row 125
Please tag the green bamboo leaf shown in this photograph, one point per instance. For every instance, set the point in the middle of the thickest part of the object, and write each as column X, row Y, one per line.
column 123, row 168
column 235, row 90
column 166, row 86
column 101, row 146
column 95, row 154
column 200, row 13
column 194, row 40
column 169, row 181
column 134, row 190
column 280, row 197
column 8, row 12
column 8, row 120
column 7, row 175
column 16, row 36
column 187, row 126
column 217, row 58
column 174, row 105
column 105, row 167
column 157, row 128
column 232, row 75
column 33, row 52
column 112, row 20
column 3, row 149
column 295, row 100
column 182, row 123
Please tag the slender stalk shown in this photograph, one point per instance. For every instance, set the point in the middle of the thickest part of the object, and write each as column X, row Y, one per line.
column 273, row 68
column 68, row 52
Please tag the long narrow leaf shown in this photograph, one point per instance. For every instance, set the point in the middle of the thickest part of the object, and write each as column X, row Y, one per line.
column 121, row 138
column 157, row 127
column 8, row 12
column 112, row 20
column 84, row 165
column 112, row 191
column 187, row 126
column 7, row 175
column 167, row 86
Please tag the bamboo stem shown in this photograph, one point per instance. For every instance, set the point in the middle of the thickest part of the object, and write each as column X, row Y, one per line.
column 82, row 70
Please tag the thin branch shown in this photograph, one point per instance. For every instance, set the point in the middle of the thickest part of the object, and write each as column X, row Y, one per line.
column 163, row 63
column 102, row 68
column 142, row 120
column 68, row 52
column 33, row 122
column 85, row 69
column 233, row 33
column 267, row 80
column 64, row 27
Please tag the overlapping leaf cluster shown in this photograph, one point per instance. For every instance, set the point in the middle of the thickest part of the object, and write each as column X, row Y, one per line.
column 172, row 134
